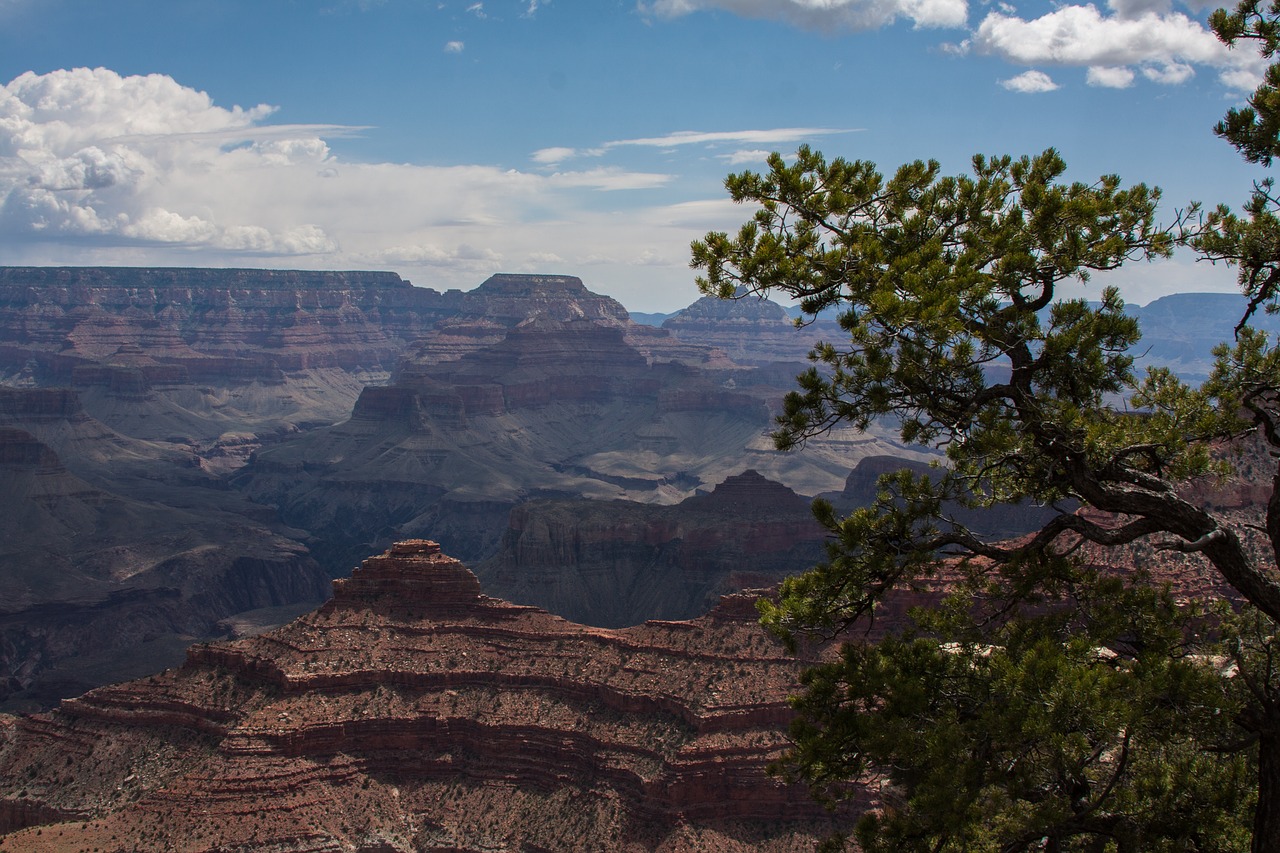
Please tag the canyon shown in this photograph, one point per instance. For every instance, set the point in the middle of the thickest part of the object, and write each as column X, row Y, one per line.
column 412, row 712
column 186, row 451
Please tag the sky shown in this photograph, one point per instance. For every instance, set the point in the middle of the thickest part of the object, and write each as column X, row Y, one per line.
column 447, row 141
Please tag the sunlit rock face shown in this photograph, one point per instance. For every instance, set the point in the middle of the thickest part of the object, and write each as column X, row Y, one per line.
column 412, row 712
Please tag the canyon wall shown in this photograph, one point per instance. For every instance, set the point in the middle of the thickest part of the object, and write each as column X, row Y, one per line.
column 412, row 712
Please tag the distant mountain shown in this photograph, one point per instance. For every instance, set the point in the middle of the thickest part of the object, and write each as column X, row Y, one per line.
column 749, row 329
column 1181, row 330
column 648, row 319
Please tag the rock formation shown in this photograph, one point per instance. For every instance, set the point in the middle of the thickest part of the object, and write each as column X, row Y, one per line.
column 554, row 409
column 617, row 563
column 502, row 302
column 108, row 568
column 749, row 329
column 413, row 713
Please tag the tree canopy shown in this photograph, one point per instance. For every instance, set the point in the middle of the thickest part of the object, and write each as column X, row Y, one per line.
column 1046, row 706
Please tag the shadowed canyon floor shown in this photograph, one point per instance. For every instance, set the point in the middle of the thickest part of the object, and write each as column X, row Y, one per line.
column 412, row 712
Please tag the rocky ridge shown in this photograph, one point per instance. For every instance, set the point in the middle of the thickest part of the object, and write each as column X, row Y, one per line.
column 749, row 329
column 617, row 563
column 108, row 567
column 412, row 712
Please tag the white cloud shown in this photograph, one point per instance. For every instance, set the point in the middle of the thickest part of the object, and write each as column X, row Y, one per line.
column 1109, row 76
column 454, row 47
column 739, row 158
column 758, row 137
column 1170, row 73
column 825, row 15
column 1030, row 82
column 88, row 153
column 96, row 168
column 552, row 156
column 1164, row 45
column 775, row 136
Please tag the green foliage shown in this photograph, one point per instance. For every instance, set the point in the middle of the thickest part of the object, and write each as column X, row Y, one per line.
column 1079, row 726
column 1011, row 730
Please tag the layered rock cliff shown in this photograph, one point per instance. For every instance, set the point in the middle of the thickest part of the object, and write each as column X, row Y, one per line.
column 617, row 563
column 554, row 409
column 749, row 329
column 413, row 713
column 108, row 565
column 187, row 355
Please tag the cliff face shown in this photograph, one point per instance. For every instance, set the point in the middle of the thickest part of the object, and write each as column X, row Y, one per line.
column 554, row 409
column 190, row 354
column 619, row 563
column 108, row 566
column 207, row 323
column 413, row 713
column 750, row 330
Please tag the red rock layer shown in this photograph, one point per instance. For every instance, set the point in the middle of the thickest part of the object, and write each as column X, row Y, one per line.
column 93, row 324
column 414, row 713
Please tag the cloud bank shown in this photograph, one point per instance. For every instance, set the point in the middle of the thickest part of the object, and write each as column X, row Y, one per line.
column 99, row 168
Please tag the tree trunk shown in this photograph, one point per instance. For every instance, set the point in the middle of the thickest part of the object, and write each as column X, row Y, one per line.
column 1266, row 819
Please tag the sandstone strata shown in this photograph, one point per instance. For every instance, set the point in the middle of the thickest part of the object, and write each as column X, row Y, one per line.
column 413, row 713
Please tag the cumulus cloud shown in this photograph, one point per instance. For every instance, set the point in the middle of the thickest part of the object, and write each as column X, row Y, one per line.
column 1109, row 77
column 826, row 15
column 89, row 153
column 104, row 169
column 1030, row 82
column 1163, row 44
column 454, row 47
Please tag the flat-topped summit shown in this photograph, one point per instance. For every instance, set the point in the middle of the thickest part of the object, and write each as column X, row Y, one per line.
column 197, row 277
column 522, row 284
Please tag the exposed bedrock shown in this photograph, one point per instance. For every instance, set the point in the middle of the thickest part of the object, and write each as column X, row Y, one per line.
column 617, row 563
column 412, row 712
column 117, row 555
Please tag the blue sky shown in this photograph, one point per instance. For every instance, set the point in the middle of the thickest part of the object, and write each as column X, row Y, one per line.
column 450, row 140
